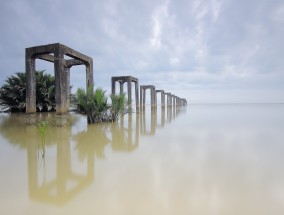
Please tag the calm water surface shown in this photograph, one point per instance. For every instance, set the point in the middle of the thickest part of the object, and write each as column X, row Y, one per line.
column 206, row 159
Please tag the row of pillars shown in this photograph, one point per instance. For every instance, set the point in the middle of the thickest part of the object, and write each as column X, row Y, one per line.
column 55, row 54
column 172, row 100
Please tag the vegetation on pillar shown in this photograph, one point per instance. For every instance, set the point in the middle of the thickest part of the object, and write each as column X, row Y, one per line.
column 13, row 92
column 93, row 104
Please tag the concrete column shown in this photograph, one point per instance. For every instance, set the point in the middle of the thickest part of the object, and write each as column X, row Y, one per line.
column 173, row 100
column 169, row 99
column 89, row 75
column 144, row 97
column 129, row 91
column 137, row 96
column 30, row 84
column 163, row 98
column 112, row 86
column 141, row 96
column 121, row 87
column 153, row 96
column 60, row 82
column 67, row 77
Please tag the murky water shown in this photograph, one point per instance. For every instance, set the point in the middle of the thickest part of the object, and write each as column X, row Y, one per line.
column 208, row 159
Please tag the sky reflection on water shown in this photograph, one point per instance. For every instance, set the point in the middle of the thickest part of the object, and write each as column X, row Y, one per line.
column 208, row 159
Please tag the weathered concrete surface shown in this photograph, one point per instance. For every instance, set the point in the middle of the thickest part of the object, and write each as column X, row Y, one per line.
column 169, row 98
column 127, row 79
column 143, row 89
column 55, row 53
column 162, row 96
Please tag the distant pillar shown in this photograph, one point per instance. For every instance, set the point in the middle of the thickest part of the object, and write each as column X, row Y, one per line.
column 129, row 92
column 112, row 86
column 129, row 80
column 168, row 99
column 121, row 87
column 162, row 96
column 137, row 95
column 143, row 88
column 173, row 100
column 144, row 97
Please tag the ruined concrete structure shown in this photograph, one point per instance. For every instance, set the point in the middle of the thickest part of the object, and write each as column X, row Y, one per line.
column 55, row 53
column 162, row 96
column 129, row 79
column 143, row 89
column 169, row 98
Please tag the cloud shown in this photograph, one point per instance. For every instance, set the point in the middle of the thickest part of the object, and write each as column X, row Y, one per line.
column 177, row 45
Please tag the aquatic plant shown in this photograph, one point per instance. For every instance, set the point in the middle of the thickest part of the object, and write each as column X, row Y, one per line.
column 118, row 106
column 42, row 128
column 93, row 105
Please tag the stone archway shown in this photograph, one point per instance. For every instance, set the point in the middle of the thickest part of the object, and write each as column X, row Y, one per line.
column 55, row 53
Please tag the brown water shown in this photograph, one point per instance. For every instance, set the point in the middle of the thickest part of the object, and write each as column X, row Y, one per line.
column 208, row 159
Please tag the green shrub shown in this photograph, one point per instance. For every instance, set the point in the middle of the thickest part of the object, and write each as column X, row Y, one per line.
column 93, row 105
column 118, row 106
column 13, row 92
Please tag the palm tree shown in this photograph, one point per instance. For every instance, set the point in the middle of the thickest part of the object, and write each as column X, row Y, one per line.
column 118, row 106
column 92, row 104
column 13, row 92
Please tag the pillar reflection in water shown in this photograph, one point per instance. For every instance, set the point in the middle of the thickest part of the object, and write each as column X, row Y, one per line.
column 122, row 135
column 66, row 184
column 143, row 121
column 163, row 117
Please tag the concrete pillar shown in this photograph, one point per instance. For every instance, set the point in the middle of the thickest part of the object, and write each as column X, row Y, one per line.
column 112, row 86
column 121, row 87
column 67, row 77
column 89, row 74
column 168, row 98
column 173, row 100
column 129, row 80
column 61, row 69
column 144, row 96
column 153, row 97
column 163, row 99
column 162, row 96
column 137, row 96
column 152, row 93
column 129, row 91
column 30, row 84
column 60, row 82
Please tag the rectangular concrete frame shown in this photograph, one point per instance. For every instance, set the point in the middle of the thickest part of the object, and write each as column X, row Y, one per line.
column 61, row 69
column 143, row 89
column 162, row 96
column 128, row 79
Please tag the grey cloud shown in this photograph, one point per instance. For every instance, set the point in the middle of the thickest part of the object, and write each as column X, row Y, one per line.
column 183, row 44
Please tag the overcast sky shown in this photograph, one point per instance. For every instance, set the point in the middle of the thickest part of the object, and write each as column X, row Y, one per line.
column 203, row 50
